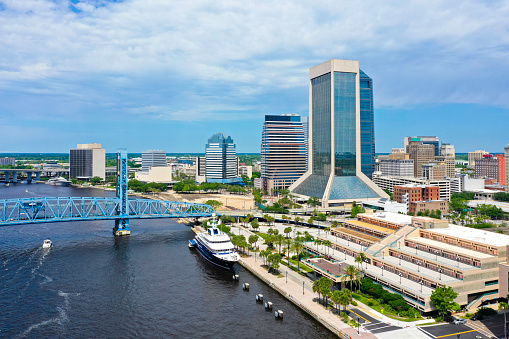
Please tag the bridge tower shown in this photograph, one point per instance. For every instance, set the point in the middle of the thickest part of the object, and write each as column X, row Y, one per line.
column 122, row 223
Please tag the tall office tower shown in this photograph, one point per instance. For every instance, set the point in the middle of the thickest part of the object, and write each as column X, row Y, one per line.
column 335, row 130
column 506, row 150
column 447, row 150
column 305, row 127
column 283, row 151
column 421, row 154
column 87, row 161
column 152, row 158
column 487, row 166
column 367, row 123
column 427, row 140
column 221, row 162
column 501, row 168
column 473, row 156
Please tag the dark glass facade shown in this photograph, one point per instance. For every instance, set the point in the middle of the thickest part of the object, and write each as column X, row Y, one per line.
column 321, row 146
column 344, row 124
column 367, row 125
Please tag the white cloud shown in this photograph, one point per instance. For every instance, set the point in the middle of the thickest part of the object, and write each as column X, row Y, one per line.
column 417, row 52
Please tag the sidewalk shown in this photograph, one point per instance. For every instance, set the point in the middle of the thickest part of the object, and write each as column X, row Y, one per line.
column 299, row 290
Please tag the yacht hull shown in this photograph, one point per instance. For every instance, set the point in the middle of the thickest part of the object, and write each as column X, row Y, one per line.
column 205, row 253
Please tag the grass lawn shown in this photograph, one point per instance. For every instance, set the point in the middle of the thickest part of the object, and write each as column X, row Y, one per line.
column 365, row 300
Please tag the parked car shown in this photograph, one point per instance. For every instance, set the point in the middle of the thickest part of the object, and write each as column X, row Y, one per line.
column 477, row 317
column 459, row 321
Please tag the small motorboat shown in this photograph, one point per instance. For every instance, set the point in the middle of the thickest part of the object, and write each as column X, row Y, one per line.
column 47, row 244
column 192, row 243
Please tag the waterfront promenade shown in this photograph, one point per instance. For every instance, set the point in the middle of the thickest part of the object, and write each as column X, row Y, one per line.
column 292, row 288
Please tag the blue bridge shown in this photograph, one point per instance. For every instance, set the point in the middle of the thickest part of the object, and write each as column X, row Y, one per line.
column 120, row 209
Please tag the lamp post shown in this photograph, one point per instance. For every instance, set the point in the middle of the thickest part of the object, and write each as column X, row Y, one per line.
column 287, row 277
column 436, row 255
column 255, row 256
column 418, row 266
column 358, row 324
column 303, row 287
column 422, row 282
column 382, row 270
column 440, row 274
column 458, row 258
column 400, row 256
column 345, row 254
column 366, row 261
column 400, row 275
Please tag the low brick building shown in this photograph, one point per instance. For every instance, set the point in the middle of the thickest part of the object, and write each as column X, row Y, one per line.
column 432, row 205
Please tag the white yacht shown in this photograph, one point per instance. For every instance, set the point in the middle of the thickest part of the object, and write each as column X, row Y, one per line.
column 47, row 244
column 215, row 246
column 59, row 181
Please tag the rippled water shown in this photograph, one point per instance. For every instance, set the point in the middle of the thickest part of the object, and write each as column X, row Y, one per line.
column 150, row 285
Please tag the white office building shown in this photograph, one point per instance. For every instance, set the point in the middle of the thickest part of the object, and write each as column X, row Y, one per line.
column 152, row 158
column 87, row 161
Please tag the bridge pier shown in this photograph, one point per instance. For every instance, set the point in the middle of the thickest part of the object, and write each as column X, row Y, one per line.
column 37, row 176
column 29, row 177
column 15, row 176
column 122, row 223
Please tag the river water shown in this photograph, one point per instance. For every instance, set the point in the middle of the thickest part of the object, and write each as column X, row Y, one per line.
column 148, row 285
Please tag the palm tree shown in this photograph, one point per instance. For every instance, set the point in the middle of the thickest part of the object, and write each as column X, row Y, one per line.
column 345, row 297
column 288, row 243
column 360, row 258
column 325, row 286
column 352, row 275
column 279, row 241
column 287, row 230
column 298, row 246
column 317, row 242
column 336, row 299
column 328, row 244
column 317, row 288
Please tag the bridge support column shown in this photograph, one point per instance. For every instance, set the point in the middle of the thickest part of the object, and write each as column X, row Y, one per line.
column 37, row 176
column 122, row 223
column 15, row 176
column 29, row 177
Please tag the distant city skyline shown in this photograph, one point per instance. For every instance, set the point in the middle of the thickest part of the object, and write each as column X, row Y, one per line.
column 167, row 75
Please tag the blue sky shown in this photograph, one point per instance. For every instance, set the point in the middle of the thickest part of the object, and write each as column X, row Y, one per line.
column 167, row 74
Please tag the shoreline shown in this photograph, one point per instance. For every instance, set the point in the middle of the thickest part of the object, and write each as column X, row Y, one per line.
column 320, row 314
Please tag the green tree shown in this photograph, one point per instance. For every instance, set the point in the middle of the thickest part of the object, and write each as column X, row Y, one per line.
column 351, row 276
column 274, row 259
column 95, row 180
column 255, row 224
column 356, row 209
column 327, row 244
column 443, row 299
column 279, row 241
column 391, row 195
column 298, row 246
column 287, row 230
column 112, row 179
column 288, row 244
column 345, row 298
column 214, row 203
column 313, row 201
column 360, row 259
column 253, row 238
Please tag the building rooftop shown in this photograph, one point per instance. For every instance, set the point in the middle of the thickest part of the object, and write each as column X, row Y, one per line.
column 452, row 248
column 473, row 234
column 402, row 219
column 370, row 226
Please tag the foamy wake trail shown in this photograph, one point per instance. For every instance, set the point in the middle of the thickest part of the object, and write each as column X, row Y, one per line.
column 62, row 314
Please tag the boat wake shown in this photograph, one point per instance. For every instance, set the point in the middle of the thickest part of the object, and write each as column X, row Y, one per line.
column 60, row 320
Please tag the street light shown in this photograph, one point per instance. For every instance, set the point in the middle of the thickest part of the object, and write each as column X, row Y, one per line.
column 400, row 256
column 303, row 287
column 440, row 274
column 436, row 255
column 345, row 254
column 418, row 266
column 287, row 277
column 458, row 258
column 400, row 275
column 382, row 270
column 422, row 282
column 358, row 324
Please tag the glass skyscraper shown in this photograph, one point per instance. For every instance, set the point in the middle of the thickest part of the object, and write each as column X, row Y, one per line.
column 221, row 162
column 341, row 131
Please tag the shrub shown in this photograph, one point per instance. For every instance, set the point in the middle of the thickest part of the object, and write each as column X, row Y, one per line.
column 370, row 303
column 485, row 311
column 439, row 319
column 354, row 303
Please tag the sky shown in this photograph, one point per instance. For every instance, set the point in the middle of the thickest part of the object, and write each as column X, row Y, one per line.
column 167, row 74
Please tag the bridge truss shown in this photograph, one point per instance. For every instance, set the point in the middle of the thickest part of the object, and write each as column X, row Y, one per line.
column 38, row 210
